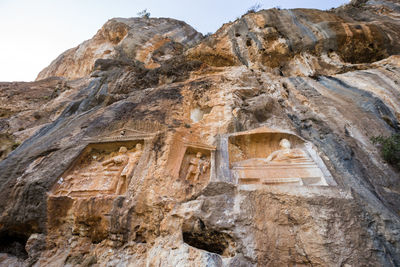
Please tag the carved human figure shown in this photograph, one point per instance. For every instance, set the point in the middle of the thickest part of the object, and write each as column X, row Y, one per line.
column 120, row 160
column 197, row 166
column 133, row 159
column 287, row 154
column 205, row 164
column 130, row 166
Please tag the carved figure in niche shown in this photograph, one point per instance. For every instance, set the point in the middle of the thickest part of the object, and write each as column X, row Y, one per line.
column 130, row 166
column 287, row 154
column 100, row 171
column 197, row 166
column 286, row 165
column 119, row 160
column 125, row 160
column 133, row 159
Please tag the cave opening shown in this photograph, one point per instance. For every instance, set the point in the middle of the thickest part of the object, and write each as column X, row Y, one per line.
column 14, row 244
column 201, row 237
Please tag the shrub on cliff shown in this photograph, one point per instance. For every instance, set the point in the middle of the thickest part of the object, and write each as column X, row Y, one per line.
column 254, row 8
column 390, row 148
column 144, row 14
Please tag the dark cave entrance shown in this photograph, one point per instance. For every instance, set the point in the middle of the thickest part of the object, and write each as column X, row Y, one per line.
column 14, row 244
column 198, row 235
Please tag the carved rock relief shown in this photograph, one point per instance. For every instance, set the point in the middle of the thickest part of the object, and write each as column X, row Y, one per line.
column 190, row 161
column 196, row 164
column 81, row 201
column 107, row 164
column 133, row 130
column 103, row 168
column 273, row 158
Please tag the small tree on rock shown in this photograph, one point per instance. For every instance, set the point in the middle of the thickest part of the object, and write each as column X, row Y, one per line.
column 254, row 8
column 390, row 148
column 144, row 14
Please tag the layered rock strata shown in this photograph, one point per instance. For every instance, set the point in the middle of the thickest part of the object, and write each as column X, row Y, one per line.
column 150, row 158
column 150, row 41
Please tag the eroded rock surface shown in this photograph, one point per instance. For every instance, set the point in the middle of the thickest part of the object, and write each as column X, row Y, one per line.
column 150, row 41
column 176, row 156
column 27, row 107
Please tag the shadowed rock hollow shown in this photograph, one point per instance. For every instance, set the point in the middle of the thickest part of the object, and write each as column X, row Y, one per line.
column 149, row 145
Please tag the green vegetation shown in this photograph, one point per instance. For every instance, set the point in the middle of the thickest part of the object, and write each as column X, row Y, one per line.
column 390, row 148
column 15, row 145
column 144, row 14
column 254, row 8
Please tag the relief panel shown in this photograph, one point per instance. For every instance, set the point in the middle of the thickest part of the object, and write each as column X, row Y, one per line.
column 273, row 158
column 82, row 201
column 102, row 168
column 107, row 164
column 190, row 161
column 196, row 164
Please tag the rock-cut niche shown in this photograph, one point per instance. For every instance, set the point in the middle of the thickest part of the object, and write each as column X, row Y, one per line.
column 268, row 157
column 190, row 162
column 196, row 164
column 102, row 168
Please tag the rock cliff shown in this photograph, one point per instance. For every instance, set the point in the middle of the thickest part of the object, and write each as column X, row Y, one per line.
column 150, row 145
column 150, row 41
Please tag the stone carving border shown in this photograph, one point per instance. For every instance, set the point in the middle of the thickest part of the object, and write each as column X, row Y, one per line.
column 199, row 145
column 124, row 134
column 223, row 157
column 134, row 130
column 131, row 136
column 196, row 145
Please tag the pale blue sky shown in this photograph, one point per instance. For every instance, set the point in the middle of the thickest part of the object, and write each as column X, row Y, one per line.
column 34, row 32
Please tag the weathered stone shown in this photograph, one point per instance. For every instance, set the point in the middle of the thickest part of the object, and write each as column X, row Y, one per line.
column 148, row 40
column 144, row 161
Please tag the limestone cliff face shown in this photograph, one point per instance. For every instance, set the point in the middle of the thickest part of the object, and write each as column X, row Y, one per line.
column 318, row 42
column 150, row 41
column 161, row 158
column 27, row 107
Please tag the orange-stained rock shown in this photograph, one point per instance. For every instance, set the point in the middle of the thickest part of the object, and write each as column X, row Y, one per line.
column 285, row 165
column 251, row 147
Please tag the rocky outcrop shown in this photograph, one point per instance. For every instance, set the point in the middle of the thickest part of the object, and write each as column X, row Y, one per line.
column 26, row 107
column 319, row 42
column 139, row 165
column 148, row 40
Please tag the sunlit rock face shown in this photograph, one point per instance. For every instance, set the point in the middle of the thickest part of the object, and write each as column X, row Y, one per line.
column 218, row 154
column 304, row 42
column 148, row 40
column 25, row 107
